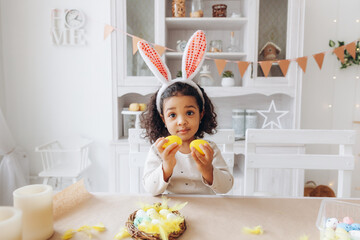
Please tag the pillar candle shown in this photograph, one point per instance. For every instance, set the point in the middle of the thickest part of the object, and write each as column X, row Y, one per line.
column 10, row 223
column 35, row 201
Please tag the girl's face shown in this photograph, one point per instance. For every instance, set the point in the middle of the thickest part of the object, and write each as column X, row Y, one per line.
column 182, row 116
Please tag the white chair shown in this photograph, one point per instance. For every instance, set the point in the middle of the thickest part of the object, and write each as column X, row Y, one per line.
column 139, row 148
column 283, row 150
column 66, row 158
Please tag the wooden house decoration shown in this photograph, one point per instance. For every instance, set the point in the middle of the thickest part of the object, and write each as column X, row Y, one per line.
column 270, row 51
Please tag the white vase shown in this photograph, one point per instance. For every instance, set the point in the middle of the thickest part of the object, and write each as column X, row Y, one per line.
column 227, row 82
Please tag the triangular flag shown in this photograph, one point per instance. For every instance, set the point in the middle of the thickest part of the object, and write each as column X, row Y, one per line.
column 302, row 61
column 319, row 58
column 284, row 65
column 266, row 66
column 339, row 51
column 107, row 30
column 242, row 67
column 135, row 40
column 160, row 49
column 351, row 48
column 220, row 64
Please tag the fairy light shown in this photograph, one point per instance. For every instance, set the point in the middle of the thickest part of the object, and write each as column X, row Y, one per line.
column 329, row 106
column 357, row 105
column 334, row 77
column 334, row 20
column 358, row 20
column 357, row 77
column 331, row 184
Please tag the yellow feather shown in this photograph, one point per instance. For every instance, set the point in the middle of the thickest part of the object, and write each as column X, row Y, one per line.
column 68, row 234
column 304, row 237
column 178, row 206
column 100, row 227
column 256, row 230
column 122, row 234
column 163, row 235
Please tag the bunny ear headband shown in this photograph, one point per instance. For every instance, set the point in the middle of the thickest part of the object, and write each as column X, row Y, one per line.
column 191, row 62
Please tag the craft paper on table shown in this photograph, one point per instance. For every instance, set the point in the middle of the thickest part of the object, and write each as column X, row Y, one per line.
column 69, row 198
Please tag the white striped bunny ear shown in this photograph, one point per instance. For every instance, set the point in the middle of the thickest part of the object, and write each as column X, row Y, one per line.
column 194, row 55
column 153, row 60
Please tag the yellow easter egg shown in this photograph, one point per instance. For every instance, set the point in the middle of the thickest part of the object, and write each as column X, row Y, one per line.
column 172, row 139
column 196, row 144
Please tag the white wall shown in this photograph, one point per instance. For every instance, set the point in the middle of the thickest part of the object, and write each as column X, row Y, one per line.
column 54, row 91
column 319, row 89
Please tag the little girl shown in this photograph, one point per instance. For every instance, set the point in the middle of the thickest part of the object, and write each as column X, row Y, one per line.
column 180, row 107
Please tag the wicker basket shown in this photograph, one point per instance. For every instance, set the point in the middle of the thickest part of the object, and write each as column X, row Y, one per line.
column 137, row 234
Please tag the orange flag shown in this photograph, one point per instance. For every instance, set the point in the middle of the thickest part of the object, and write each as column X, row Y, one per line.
column 135, row 40
column 160, row 49
column 351, row 48
column 242, row 67
column 302, row 61
column 266, row 66
column 284, row 65
column 220, row 64
column 339, row 51
column 319, row 58
column 107, row 30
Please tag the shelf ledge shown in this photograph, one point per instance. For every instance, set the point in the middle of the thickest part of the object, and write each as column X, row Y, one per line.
column 221, row 55
column 205, row 23
column 217, row 91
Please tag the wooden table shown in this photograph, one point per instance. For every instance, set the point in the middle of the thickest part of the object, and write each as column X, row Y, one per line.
column 208, row 217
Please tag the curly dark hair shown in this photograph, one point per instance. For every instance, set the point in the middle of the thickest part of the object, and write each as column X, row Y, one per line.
column 155, row 127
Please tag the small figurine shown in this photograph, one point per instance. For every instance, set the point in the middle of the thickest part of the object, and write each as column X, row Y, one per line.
column 270, row 51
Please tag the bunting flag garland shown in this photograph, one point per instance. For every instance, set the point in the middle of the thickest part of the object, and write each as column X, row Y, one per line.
column 220, row 65
column 266, row 66
column 302, row 61
column 135, row 40
column 351, row 48
column 284, row 65
column 160, row 49
column 107, row 30
column 339, row 51
column 242, row 67
column 319, row 58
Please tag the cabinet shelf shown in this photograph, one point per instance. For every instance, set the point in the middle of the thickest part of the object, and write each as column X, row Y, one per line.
column 205, row 23
column 222, row 55
column 216, row 91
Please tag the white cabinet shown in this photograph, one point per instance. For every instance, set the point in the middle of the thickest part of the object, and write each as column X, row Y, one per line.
column 260, row 21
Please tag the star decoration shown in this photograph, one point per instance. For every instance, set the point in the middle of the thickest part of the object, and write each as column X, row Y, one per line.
column 272, row 116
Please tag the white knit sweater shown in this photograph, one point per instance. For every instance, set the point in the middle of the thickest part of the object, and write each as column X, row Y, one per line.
column 186, row 179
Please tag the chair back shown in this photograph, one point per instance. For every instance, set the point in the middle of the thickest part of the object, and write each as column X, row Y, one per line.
column 279, row 149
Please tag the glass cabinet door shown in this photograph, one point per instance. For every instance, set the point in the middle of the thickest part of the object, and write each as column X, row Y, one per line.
column 139, row 22
column 272, row 36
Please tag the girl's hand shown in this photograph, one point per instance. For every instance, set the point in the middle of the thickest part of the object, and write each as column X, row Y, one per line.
column 204, row 162
column 168, row 156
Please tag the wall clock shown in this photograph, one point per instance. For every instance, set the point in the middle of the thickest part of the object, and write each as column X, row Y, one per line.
column 74, row 18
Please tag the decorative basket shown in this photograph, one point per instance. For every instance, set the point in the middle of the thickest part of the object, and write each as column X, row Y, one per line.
column 219, row 10
column 137, row 234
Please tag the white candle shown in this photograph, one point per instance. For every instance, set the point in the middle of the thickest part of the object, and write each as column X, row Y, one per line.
column 10, row 223
column 35, row 201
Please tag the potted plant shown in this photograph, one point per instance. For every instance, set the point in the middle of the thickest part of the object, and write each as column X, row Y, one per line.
column 227, row 79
